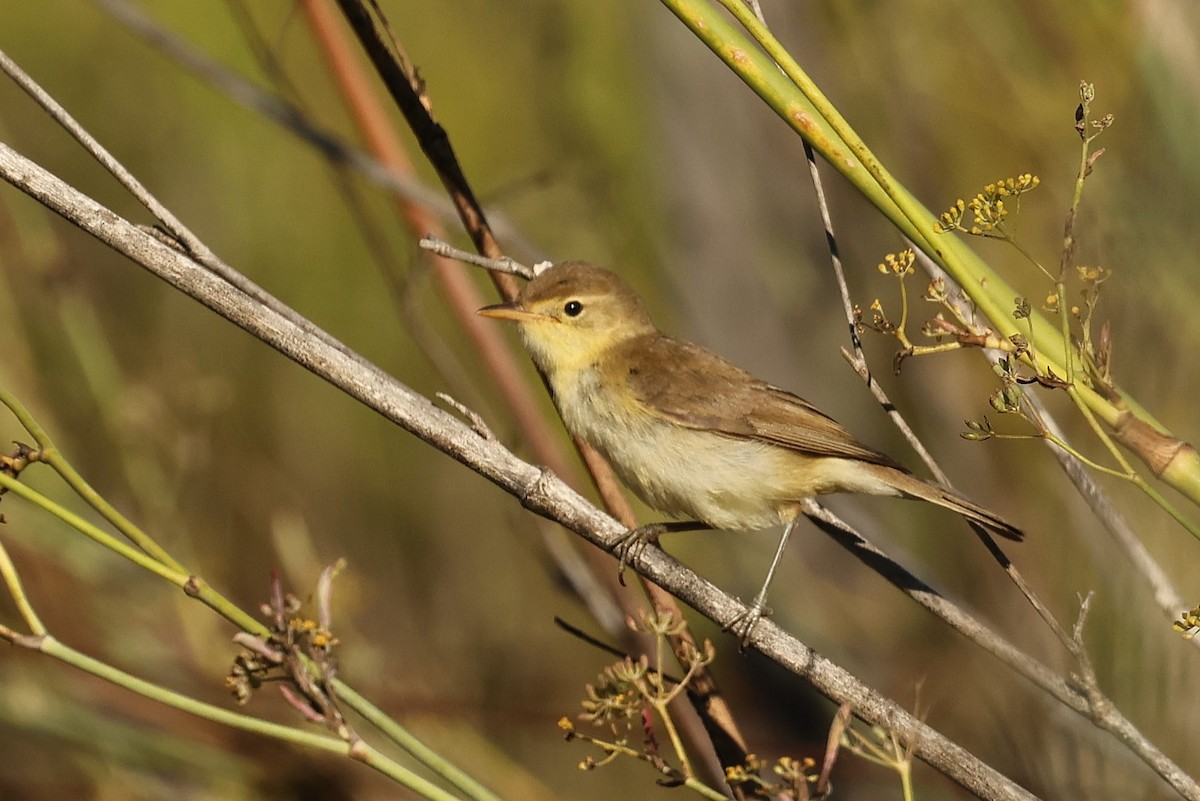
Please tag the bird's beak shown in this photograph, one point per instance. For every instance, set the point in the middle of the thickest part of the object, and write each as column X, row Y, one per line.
column 510, row 311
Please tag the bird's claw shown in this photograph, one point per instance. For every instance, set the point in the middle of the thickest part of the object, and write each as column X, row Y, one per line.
column 742, row 626
column 630, row 547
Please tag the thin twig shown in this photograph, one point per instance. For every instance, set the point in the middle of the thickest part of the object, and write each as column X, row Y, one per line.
column 462, row 296
column 858, row 363
column 470, row 415
column 503, row 264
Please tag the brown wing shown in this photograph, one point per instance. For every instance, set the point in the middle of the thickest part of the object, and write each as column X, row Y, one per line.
column 698, row 389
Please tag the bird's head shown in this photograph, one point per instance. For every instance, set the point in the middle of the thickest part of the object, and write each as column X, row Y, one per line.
column 572, row 313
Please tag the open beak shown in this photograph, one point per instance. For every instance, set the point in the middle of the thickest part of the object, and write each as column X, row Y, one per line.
column 510, row 311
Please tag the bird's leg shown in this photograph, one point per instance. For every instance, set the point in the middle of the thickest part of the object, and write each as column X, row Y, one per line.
column 630, row 546
column 743, row 625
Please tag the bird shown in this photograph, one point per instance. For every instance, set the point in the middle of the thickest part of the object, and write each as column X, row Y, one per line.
column 689, row 432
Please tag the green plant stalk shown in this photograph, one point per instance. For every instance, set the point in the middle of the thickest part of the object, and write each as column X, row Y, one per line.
column 1167, row 506
column 704, row 790
column 1069, row 358
column 192, row 585
column 661, row 700
column 906, row 784
column 1102, row 435
column 615, row 749
column 101, row 374
column 91, row 531
column 664, row 714
column 925, row 350
column 411, row 745
column 795, row 98
column 50, row 646
column 52, row 456
column 904, row 312
column 1094, row 465
column 197, row 588
column 12, row 580
column 374, row 758
column 1130, row 474
column 894, row 758
column 151, row 555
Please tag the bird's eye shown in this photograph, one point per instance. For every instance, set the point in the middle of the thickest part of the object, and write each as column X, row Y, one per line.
column 573, row 308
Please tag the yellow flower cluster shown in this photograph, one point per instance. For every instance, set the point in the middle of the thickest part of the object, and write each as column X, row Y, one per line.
column 988, row 209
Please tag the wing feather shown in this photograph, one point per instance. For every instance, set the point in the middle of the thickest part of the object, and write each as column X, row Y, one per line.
column 693, row 387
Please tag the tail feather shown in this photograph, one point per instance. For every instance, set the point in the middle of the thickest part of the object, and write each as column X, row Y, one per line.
column 913, row 487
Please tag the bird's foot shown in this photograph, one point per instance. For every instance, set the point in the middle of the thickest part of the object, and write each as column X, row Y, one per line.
column 744, row 624
column 633, row 543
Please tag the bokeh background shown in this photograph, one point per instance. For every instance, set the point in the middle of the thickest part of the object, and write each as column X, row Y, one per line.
column 604, row 132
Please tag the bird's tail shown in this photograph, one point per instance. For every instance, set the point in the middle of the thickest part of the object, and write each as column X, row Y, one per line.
column 913, row 487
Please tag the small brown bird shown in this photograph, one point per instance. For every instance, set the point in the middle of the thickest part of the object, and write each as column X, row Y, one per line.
column 692, row 434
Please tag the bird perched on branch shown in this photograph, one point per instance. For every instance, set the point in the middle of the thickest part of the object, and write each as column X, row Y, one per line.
column 692, row 434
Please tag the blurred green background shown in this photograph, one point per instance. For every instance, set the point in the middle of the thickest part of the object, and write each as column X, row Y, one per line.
column 604, row 132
